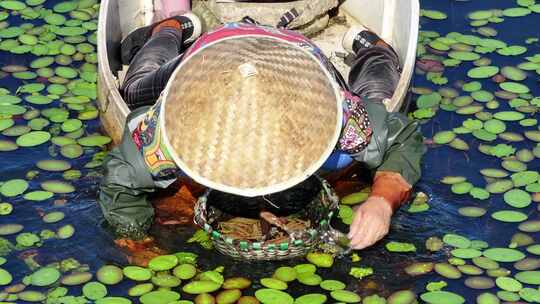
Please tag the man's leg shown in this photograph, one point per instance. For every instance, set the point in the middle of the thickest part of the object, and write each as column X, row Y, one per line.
column 151, row 68
column 153, row 53
column 375, row 71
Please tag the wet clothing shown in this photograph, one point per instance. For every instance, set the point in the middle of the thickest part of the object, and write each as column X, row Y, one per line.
column 382, row 141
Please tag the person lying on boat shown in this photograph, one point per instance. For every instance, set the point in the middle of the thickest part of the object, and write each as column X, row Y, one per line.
column 252, row 110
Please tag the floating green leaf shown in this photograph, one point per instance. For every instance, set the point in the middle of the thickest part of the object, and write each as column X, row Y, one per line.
column 509, row 216
column 483, row 72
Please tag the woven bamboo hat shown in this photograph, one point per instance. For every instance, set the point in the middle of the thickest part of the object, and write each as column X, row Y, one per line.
column 251, row 115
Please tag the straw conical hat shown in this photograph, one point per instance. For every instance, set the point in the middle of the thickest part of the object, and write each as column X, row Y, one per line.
column 251, row 115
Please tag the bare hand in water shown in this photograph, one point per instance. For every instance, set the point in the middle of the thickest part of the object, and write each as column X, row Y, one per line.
column 371, row 222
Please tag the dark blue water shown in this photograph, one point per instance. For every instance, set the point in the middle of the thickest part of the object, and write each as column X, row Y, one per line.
column 93, row 245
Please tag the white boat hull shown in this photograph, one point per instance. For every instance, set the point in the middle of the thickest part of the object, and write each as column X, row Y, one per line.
column 396, row 21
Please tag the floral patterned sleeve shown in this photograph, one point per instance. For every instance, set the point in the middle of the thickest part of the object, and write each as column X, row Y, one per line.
column 357, row 130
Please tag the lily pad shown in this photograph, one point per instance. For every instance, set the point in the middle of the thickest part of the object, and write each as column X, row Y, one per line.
column 487, row 298
column 419, row 268
column 484, row 135
column 494, row 126
column 38, row 195
column 504, row 254
column 65, row 232
column 508, row 284
column 479, row 282
column 517, row 198
column 524, row 178
column 528, row 277
column 514, row 87
column 94, row 141
column 113, row 300
column 457, row 241
column 272, row 296
column 57, row 187
column 500, row 186
column 5, row 277
column 483, row 72
column 508, row 296
column 532, row 135
column 140, row 289
column 472, row 86
column 442, row 297
column 513, row 50
column 198, row 287
column 527, row 264
column 188, row 271
column 447, row 271
column 344, row 296
column 163, row 262
column 13, row 5
column 159, row 297
column 468, row 110
column 65, row 7
column 509, row 216
column 76, row 278
column 94, row 290
column 53, row 217
column 33, row 138
column 462, row 188
column 534, row 249
column 513, row 73
column 485, row 263
column 479, row 193
column 428, row 100
column 332, row 285
column 495, row 173
column 45, row 276
column 516, row 12
column 464, row 56
column 514, row 165
column 472, row 211
column 13, row 187
column 312, row 298
column 53, row 165
column 401, row 297
column 110, row 274
column 433, row 14
column 273, row 283
column 8, row 229
column 466, row 253
column 480, row 15
column 450, row 180
column 530, row 226
column 400, row 247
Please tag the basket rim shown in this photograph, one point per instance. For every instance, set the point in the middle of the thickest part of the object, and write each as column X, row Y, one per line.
column 252, row 192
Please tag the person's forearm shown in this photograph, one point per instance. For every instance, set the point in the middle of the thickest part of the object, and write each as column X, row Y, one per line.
column 392, row 187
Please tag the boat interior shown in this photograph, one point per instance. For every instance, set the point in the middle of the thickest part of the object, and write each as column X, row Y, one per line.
column 323, row 21
column 330, row 22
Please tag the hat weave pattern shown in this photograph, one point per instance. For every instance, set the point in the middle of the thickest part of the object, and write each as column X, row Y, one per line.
column 251, row 115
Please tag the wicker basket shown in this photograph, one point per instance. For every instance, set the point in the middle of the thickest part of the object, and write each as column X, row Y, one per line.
column 319, row 212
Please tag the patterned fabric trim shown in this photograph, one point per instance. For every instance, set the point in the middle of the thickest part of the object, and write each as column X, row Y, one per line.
column 147, row 138
column 357, row 130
